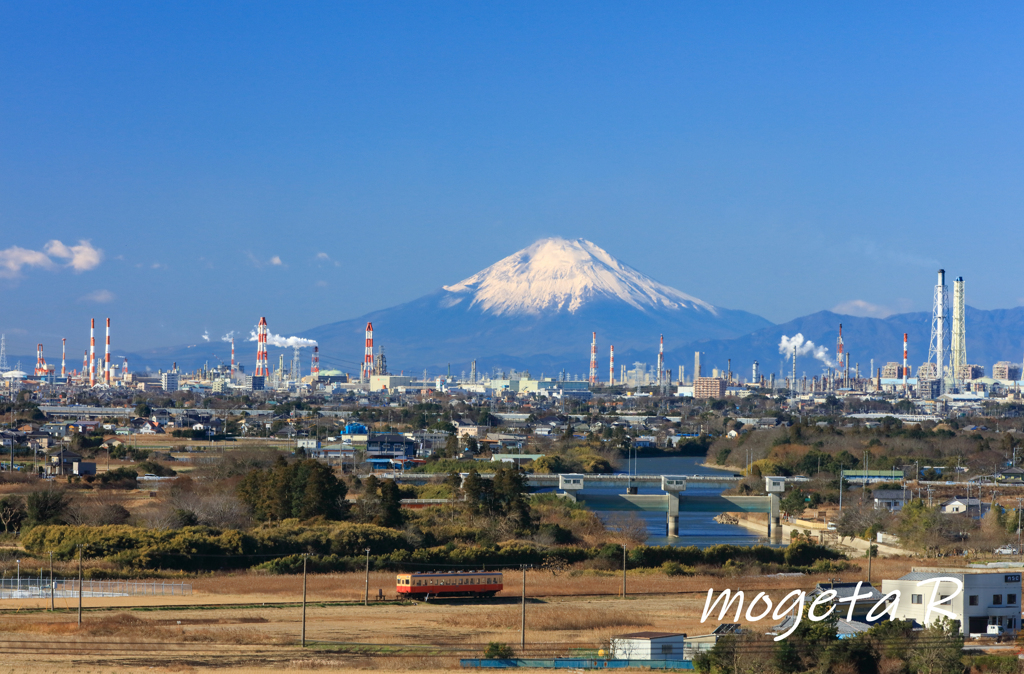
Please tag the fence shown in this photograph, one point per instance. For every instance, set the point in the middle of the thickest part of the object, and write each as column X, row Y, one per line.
column 36, row 588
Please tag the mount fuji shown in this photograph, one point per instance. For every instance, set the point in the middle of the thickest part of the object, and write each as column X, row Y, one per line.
column 536, row 309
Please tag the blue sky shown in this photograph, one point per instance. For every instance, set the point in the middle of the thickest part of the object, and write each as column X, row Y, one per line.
column 310, row 162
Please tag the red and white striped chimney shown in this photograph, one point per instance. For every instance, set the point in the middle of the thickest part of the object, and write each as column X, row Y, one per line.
column 593, row 360
column 905, row 389
column 314, row 368
column 92, row 353
column 63, row 356
column 368, row 354
column 262, row 367
column 106, row 358
column 611, row 366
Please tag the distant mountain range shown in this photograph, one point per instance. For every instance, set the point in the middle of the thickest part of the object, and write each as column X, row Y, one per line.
column 536, row 310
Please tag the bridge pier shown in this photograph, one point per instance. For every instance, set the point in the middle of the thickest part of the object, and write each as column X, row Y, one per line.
column 673, row 515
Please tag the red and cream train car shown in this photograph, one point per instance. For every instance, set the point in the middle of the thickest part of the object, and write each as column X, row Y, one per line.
column 457, row 584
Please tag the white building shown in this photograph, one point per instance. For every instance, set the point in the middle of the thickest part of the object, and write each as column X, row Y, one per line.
column 989, row 597
column 648, row 646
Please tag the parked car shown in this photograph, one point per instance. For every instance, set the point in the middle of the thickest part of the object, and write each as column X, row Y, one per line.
column 1006, row 550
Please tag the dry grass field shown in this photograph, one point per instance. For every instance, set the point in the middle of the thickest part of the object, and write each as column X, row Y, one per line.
column 250, row 621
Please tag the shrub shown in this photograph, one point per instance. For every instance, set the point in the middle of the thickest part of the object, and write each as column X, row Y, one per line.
column 498, row 651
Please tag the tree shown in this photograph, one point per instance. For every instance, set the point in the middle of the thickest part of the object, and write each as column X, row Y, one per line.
column 472, row 487
column 939, row 648
column 304, row 489
column 47, row 506
column 143, row 410
column 12, row 512
column 451, row 446
column 391, row 505
column 793, row 503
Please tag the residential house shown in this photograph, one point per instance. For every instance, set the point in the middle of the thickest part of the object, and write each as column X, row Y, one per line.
column 892, row 500
column 972, row 507
column 390, row 446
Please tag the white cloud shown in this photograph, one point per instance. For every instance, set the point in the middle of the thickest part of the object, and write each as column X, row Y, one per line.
column 82, row 257
column 206, row 335
column 14, row 258
column 803, row 347
column 100, row 296
column 276, row 261
column 862, row 308
column 286, row 342
column 324, row 257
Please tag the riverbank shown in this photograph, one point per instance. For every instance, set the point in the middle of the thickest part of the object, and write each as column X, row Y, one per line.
column 724, row 469
column 853, row 544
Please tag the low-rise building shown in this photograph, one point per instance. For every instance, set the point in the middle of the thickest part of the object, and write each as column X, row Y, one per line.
column 648, row 646
column 892, row 500
column 989, row 597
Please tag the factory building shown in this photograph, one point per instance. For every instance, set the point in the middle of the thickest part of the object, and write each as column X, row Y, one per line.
column 969, row 372
column 1004, row 369
column 894, row 370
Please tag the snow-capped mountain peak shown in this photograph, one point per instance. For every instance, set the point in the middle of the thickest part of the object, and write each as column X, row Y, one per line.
column 557, row 274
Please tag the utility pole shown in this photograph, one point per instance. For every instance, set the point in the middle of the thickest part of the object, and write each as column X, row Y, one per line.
column 1018, row 529
column 522, row 622
column 79, row 585
column 305, row 556
column 623, row 570
column 51, row 580
column 366, row 587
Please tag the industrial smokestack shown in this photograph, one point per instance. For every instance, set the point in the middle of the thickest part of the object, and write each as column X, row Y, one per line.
column 611, row 366
column 593, row 360
column 906, row 390
column 92, row 353
column 106, row 358
column 262, row 367
column 368, row 355
column 63, row 356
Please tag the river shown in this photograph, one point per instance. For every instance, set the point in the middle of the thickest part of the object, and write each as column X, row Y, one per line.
column 698, row 529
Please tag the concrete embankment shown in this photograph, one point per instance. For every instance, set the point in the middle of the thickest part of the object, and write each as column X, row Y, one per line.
column 857, row 545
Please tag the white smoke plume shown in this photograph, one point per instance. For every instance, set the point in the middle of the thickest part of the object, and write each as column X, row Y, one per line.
column 206, row 335
column 804, row 347
column 228, row 337
column 286, row 342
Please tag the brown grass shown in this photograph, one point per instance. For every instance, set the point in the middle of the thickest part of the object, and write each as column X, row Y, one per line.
column 551, row 617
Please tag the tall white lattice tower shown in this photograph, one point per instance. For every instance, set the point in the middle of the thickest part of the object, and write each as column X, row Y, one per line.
column 938, row 347
column 958, row 336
